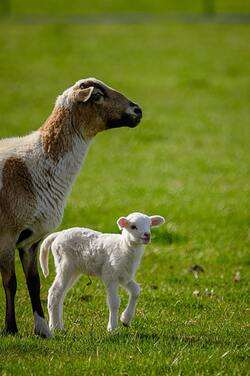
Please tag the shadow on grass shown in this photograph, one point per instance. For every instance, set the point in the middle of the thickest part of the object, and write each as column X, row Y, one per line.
column 65, row 343
column 173, row 340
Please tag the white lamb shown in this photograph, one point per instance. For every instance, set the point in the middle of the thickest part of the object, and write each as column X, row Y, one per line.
column 113, row 257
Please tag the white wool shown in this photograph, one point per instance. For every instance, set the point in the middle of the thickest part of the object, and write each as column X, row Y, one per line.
column 114, row 258
column 60, row 181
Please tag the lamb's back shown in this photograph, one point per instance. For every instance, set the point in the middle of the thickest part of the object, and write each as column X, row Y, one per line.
column 77, row 239
column 87, row 249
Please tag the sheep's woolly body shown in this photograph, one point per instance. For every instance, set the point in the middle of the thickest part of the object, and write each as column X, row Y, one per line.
column 52, row 182
column 49, row 185
column 17, row 197
column 37, row 172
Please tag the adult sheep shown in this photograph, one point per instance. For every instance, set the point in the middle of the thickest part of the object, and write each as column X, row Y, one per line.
column 36, row 174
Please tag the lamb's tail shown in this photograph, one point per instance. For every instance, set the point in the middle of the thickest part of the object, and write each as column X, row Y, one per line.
column 44, row 253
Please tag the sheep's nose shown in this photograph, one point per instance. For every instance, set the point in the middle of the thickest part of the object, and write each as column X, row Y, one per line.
column 146, row 235
column 136, row 109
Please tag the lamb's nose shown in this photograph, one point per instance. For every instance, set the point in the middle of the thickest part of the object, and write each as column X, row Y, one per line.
column 146, row 234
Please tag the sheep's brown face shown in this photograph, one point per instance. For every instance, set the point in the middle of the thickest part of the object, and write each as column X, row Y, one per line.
column 101, row 107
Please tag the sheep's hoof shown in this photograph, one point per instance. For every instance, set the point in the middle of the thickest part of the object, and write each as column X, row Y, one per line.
column 41, row 327
column 10, row 331
column 43, row 335
column 43, row 332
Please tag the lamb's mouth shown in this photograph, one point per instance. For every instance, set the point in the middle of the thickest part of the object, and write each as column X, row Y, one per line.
column 126, row 120
column 145, row 240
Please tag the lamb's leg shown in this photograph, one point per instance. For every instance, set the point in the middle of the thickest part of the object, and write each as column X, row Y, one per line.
column 29, row 262
column 7, row 268
column 134, row 291
column 64, row 280
column 70, row 284
column 113, row 301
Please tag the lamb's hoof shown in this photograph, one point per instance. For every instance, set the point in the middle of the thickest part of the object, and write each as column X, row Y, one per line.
column 113, row 330
column 125, row 324
column 58, row 331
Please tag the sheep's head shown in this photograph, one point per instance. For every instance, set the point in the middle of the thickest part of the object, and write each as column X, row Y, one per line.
column 136, row 227
column 96, row 107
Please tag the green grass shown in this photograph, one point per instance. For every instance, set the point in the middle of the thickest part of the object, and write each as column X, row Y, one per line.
column 189, row 161
column 129, row 6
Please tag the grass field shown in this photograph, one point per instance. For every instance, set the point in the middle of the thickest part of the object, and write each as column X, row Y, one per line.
column 189, row 161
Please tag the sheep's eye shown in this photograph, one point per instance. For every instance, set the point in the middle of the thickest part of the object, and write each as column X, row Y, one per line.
column 133, row 227
column 96, row 96
column 82, row 86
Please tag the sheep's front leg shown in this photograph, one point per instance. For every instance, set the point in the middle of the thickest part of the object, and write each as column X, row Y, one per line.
column 113, row 301
column 7, row 267
column 134, row 291
column 29, row 262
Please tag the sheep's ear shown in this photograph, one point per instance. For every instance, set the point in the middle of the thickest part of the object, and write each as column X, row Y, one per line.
column 122, row 223
column 157, row 220
column 83, row 95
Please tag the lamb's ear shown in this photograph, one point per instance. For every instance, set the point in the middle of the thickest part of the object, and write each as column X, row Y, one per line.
column 83, row 95
column 157, row 220
column 122, row 223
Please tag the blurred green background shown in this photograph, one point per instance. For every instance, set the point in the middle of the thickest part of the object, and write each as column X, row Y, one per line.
column 130, row 6
column 188, row 160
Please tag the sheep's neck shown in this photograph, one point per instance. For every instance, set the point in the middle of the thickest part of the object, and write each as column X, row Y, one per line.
column 66, row 148
column 60, row 133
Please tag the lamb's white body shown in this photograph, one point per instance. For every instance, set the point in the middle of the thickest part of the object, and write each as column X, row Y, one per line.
column 114, row 258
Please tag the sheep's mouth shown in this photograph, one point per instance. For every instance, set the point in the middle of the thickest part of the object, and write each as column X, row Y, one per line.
column 126, row 120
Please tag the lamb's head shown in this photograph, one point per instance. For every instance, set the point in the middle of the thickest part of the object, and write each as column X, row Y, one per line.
column 96, row 107
column 136, row 227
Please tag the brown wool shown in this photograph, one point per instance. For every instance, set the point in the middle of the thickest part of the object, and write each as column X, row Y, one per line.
column 17, row 194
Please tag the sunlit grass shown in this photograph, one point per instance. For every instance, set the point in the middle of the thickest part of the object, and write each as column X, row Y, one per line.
column 188, row 161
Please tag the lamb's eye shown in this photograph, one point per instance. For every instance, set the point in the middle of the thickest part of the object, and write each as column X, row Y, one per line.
column 82, row 86
column 133, row 227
